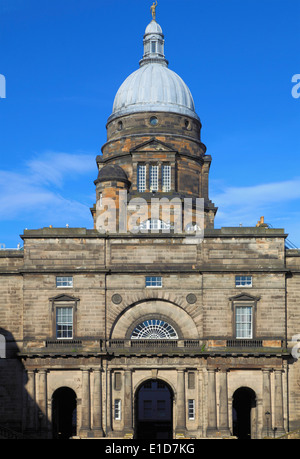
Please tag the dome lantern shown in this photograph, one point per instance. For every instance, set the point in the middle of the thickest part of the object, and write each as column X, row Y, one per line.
column 154, row 44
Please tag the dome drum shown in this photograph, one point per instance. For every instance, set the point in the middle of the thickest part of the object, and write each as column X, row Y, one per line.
column 142, row 123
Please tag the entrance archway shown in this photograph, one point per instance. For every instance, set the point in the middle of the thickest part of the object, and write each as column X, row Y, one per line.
column 64, row 413
column 242, row 412
column 154, row 410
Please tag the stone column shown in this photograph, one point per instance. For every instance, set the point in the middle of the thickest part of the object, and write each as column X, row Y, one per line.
column 128, row 408
column 211, row 403
column 278, row 404
column 108, row 402
column 85, row 404
column 42, row 413
column 267, row 411
column 200, row 402
column 223, row 410
column 97, row 403
column 31, row 403
column 259, row 417
column 180, row 403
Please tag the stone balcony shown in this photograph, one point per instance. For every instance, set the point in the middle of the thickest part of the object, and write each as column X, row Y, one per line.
column 192, row 347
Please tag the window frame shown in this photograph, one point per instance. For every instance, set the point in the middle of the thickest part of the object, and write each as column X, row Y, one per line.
column 240, row 278
column 161, row 408
column 191, row 409
column 248, row 306
column 141, row 178
column 244, row 300
column 71, row 285
column 152, row 285
column 147, row 408
column 63, row 301
column 117, row 409
column 153, row 47
column 154, row 224
column 154, row 178
column 63, row 323
column 166, row 178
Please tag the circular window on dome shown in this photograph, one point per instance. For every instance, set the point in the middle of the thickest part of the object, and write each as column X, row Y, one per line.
column 154, row 329
column 153, row 121
column 187, row 125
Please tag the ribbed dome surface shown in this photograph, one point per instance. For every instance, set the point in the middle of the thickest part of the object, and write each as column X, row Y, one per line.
column 153, row 87
column 153, row 27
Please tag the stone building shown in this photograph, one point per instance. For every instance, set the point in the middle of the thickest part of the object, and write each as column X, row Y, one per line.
column 152, row 332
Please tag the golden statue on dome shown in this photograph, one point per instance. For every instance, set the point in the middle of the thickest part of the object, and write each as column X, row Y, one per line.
column 153, row 10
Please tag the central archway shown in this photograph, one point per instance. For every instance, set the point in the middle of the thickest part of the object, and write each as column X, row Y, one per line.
column 64, row 413
column 154, row 410
column 244, row 400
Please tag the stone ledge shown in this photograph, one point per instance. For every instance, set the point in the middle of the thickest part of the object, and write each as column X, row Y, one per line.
column 225, row 232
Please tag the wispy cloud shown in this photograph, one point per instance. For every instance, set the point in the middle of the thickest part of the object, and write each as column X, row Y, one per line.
column 278, row 202
column 262, row 194
column 39, row 188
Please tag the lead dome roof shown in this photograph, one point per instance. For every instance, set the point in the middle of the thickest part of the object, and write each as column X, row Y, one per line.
column 153, row 87
column 112, row 172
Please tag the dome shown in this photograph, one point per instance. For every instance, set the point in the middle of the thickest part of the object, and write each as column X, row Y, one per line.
column 153, row 27
column 153, row 87
column 112, row 172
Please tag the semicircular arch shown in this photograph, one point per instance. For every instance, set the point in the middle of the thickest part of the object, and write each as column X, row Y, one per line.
column 141, row 383
column 180, row 319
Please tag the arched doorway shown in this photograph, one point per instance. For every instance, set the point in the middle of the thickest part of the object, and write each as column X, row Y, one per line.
column 242, row 412
column 64, row 413
column 154, row 410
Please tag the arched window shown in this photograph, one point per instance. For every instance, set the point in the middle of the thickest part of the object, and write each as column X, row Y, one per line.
column 154, row 329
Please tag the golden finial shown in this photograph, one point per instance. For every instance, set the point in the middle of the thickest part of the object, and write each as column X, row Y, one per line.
column 153, row 10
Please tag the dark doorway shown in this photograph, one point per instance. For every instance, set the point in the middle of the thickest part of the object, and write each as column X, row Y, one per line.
column 154, row 411
column 243, row 402
column 64, row 413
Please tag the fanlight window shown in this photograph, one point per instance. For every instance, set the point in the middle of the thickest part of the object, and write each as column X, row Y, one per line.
column 154, row 329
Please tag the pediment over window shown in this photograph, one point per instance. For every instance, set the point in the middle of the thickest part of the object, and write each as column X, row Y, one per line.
column 64, row 298
column 245, row 297
column 153, row 145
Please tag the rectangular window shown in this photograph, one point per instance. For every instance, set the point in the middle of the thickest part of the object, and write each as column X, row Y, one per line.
column 154, row 281
column 243, row 281
column 243, row 322
column 63, row 281
column 147, row 408
column 161, row 408
column 117, row 410
column 161, row 385
column 64, row 323
column 153, row 46
column 191, row 409
column 153, row 178
column 141, row 177
column 166, row 178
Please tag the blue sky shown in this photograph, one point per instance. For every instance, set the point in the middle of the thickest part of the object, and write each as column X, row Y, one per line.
column 64, row 60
